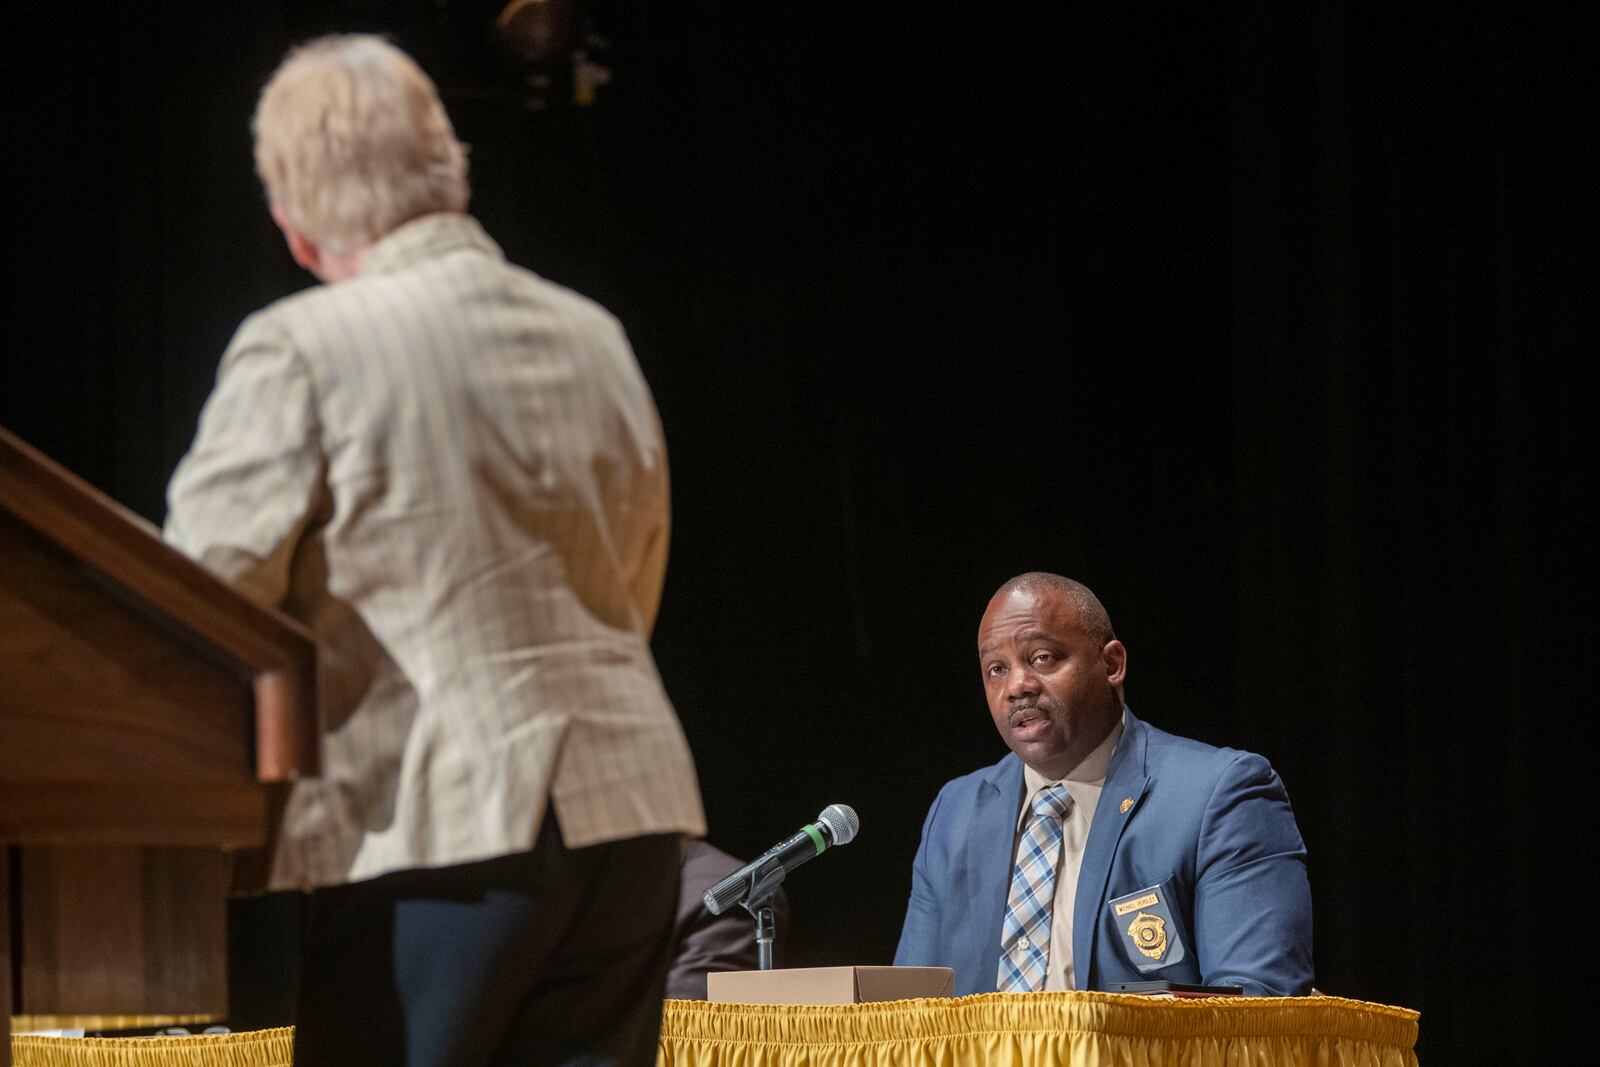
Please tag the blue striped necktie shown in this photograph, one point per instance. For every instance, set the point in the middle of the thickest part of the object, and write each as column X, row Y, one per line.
column 1025, row 936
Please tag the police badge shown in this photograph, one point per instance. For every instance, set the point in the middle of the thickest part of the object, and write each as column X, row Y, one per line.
column 1151, row 936
column 1149, row 933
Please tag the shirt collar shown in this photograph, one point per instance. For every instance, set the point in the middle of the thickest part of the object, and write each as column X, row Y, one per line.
column 1090, row 771
column 424, row 238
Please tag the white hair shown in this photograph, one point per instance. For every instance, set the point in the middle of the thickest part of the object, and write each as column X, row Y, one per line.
column 351, row 141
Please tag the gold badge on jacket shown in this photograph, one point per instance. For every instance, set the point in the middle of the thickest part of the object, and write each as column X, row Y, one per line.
column 1150, row 928
column 1149, row 933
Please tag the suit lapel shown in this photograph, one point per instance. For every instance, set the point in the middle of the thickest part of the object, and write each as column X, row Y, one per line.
column 1125, row 786
column 994, row 825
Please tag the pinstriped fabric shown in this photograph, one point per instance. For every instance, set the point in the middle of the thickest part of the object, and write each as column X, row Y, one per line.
column 454, row 472
column 1025, row 934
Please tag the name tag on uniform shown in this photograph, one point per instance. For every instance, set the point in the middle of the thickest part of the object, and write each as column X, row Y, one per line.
column 1150, row 936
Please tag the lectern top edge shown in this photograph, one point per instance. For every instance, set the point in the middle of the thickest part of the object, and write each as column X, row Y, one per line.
column 278, row 652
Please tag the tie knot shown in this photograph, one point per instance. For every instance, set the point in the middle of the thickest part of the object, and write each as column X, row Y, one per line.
column 1052, row 802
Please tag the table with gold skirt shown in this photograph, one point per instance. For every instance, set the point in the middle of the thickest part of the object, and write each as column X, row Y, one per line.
column 1083, row 1029
column 252, row 1048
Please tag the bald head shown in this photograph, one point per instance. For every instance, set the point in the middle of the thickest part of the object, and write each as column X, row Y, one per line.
column 1052, row 670
column 1089, row 614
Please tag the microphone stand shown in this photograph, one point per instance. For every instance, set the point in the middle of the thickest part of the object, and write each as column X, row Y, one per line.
column 764, row 883
column 764, row 931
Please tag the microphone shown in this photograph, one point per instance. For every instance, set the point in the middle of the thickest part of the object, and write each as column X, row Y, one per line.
column 757, row 880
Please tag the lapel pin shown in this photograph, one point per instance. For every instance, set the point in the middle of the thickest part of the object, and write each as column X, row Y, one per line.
column 1127, row 802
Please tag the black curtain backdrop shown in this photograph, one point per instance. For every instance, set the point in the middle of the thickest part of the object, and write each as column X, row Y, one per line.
column 1265, row 320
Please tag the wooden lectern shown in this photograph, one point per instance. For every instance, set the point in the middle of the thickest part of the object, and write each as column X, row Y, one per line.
column 150, row 718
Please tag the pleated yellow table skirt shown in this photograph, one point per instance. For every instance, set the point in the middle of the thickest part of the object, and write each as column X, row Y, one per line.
column 250, row 1048
column 1081, row 1029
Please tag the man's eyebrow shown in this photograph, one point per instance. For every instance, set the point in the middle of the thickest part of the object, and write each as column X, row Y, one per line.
column 1027, row 635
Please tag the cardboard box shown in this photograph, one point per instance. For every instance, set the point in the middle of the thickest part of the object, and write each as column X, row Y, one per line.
column 828, row 985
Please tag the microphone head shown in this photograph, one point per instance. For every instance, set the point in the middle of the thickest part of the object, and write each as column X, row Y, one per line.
column 841, row 821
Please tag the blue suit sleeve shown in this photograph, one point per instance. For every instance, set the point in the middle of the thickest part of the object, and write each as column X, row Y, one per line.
column 1252, row 903
column 919, row 937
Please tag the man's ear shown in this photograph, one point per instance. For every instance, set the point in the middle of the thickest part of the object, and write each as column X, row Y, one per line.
column 1116, row 661
column 305, row 252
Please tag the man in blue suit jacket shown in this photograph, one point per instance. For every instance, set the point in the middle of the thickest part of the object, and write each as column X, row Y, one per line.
column 1190, row 866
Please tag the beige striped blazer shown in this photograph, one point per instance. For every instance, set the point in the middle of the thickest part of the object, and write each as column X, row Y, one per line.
column 453, row 471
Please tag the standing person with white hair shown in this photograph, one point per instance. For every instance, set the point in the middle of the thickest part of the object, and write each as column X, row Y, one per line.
column 453, row 471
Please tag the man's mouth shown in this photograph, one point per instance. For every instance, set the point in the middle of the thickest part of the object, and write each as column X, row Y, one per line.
column 1028, row 722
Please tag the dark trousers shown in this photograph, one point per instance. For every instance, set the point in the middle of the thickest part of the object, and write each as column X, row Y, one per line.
column 555, row 956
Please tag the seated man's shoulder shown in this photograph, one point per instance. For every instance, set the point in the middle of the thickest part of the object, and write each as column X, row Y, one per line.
column 1167, row 751
column 704, row 864
column 1186, row 766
